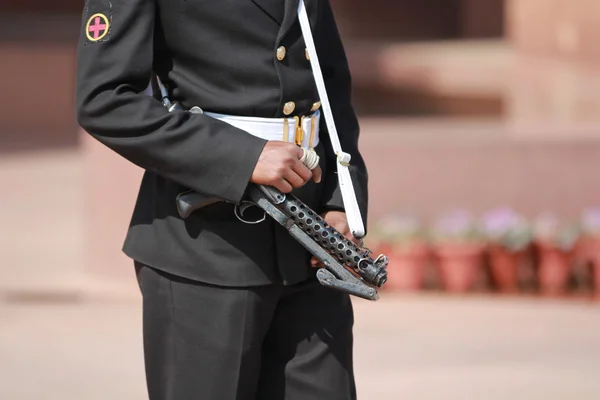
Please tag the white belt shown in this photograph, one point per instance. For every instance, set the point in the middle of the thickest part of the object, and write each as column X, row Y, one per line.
column 303, row 131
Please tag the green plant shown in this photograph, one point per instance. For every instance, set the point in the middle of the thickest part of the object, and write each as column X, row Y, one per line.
column 548, row 229
column 456, row 226
column 590, row 222
column 506, row 228
column 401, row 228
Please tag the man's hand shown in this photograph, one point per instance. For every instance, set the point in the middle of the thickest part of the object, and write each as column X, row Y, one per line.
column 279, row 166
column 338, row 220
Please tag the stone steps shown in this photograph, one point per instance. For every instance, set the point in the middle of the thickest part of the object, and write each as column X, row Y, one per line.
column 466, row 77
column 429, row 166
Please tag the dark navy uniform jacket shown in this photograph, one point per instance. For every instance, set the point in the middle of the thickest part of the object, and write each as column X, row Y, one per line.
column 239, row 57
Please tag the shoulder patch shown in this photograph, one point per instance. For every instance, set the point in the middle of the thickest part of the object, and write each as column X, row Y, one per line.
column 98, row 21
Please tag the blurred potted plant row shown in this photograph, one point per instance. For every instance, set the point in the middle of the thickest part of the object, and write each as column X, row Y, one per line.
column 463, row 250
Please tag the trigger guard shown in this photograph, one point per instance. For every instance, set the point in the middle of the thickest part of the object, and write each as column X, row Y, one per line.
column 239, row 210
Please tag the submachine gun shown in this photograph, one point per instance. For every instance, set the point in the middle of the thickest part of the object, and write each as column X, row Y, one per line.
column 348, row 267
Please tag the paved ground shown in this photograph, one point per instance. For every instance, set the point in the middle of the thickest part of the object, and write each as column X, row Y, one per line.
column 417, row 348
column 41, row 228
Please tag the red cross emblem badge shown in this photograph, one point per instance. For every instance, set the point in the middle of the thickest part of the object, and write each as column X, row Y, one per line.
column 97, row 27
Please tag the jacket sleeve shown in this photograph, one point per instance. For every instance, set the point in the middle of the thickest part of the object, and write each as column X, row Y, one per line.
column 193, row 150
column 338, row 82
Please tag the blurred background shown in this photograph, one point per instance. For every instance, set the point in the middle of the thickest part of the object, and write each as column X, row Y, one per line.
column 481, row 130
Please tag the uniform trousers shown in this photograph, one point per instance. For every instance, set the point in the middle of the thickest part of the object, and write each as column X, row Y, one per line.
column 275, row 342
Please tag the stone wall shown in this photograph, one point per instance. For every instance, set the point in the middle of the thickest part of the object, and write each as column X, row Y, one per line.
column 405, row 20
column 564, row 30
column 38, row 65
column 37, row 6
column 557, row 64
column 38, row 88
column 397, row 20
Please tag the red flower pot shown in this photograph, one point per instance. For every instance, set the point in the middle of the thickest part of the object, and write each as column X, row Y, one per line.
column 554, row 268
column 589, row 250
column 504, row 268
column 459, row 265
column 406, row 267
column 381, row 248
column 583, row 250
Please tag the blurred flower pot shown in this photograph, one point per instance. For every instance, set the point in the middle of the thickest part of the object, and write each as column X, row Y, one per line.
column 459, row 265
column 378, row 247
column 504, row 267
column 401, row 238
column 458, row 250
column 594, row 254
column 588, row 247
column 555, row 244
column 508, row 235
column 407, row 266
column 588, row 252
column 554, row 268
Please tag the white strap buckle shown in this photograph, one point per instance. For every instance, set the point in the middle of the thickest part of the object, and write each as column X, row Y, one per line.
column 344, row 158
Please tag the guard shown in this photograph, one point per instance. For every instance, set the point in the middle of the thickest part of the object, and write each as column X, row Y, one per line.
column 231, row 310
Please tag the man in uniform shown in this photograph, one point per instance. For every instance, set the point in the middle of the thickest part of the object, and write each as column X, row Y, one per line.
column 230, row 310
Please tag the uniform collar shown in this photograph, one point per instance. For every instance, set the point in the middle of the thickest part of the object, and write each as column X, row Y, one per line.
column 285, row 14
column 273, row 8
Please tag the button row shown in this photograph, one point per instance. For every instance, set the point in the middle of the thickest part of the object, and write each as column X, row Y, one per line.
column 281, row 52
column 290, row 106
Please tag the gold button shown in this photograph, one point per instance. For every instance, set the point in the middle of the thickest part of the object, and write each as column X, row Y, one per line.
column 315, row 106
column 289, row 107
column 280, row 53
column 307, row 55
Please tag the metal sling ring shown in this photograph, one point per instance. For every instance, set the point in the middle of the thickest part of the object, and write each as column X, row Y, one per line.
column 239, row 210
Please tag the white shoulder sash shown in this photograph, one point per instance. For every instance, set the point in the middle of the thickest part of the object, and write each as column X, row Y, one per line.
column 355, row 221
